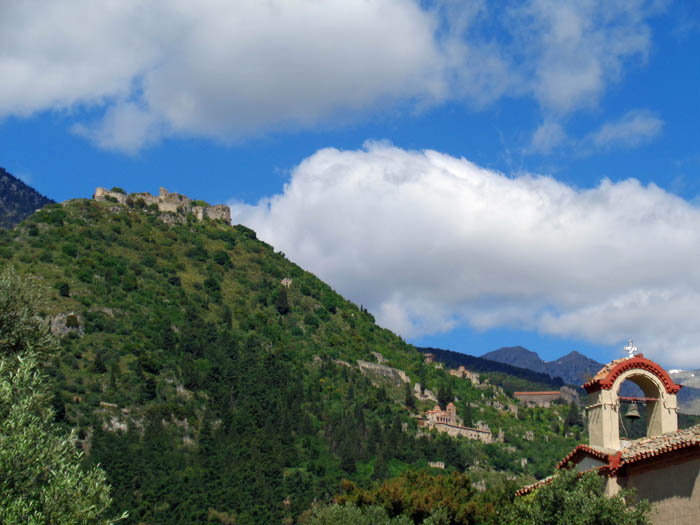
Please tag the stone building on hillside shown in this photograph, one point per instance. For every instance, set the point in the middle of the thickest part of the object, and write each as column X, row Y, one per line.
column 448, row 421
column 467, row 374
column 539, row 399
column 167, row 202
column 662, row 467
column 428, row 358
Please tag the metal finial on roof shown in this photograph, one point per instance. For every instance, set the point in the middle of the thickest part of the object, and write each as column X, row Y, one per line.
column 631, row 349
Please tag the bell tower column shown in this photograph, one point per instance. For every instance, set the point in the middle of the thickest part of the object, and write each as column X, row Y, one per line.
column 603, row 420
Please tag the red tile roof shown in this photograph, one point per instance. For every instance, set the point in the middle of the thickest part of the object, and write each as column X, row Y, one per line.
column 638, row 450
column 606, row 376
column 537, row 484
column 586, row 450
column 648, row 447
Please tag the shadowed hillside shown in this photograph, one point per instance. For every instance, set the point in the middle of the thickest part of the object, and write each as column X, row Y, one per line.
column 17, row 200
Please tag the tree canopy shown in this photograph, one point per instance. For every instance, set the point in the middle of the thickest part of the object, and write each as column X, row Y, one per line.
column 574, row 498
column 41, row 480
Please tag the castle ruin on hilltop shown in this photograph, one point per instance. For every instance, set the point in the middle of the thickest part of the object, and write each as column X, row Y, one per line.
column 166, row 202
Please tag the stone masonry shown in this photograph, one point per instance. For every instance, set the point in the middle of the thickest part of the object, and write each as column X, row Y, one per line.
column 449, row 422
column 168, row 202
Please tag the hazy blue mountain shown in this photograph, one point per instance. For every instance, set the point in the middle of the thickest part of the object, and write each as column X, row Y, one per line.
column 574, row 368
column 518, row 356
column 453, row 359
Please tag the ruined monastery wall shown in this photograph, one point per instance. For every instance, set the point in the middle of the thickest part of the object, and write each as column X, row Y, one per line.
column 168, row 203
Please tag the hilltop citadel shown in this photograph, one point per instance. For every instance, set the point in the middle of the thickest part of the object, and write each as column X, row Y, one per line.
column 165, row 202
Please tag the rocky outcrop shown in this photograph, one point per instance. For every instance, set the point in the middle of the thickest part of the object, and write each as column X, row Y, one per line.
column 425, row 395
column 64, row 324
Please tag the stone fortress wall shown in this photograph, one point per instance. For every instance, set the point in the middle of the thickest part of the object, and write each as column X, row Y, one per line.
column 168, row 202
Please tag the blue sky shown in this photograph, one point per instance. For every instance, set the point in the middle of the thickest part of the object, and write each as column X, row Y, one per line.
column 477, row 176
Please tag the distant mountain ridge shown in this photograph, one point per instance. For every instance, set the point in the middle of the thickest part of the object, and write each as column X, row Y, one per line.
column 574, row 368
column 453, row 359
column 17, row 200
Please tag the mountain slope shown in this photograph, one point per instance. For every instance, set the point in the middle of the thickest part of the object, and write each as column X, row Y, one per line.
column 530, row 380
column 574, row 368
column 17, row 200
column 518, row 356
column 204, row 370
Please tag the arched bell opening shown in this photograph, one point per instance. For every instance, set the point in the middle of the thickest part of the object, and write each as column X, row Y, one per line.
column 636, row 401
column 607, row 403
column 648, row 396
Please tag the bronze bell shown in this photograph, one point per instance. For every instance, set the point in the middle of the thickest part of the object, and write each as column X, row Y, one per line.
column 632, row 412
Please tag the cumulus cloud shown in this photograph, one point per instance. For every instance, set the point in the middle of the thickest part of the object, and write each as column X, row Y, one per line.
column 230, row 70
column 428, row 241
column 216, row 69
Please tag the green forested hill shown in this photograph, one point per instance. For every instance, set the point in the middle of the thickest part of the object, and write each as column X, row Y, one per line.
column 211, row 390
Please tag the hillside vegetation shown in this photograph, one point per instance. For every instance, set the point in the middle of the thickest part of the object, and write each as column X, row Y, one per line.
column 213, row 379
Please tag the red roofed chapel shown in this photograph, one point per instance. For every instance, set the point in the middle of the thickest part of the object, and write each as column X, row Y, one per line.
column 663, row 466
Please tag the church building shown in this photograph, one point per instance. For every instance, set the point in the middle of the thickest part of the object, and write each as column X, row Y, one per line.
column 662, row 467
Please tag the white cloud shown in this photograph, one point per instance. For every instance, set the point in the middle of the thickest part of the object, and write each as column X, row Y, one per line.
column 547, row 136
column 216, row 69
column 428, row 241
column 632, row 129
column 230, row 70
column 577, row 48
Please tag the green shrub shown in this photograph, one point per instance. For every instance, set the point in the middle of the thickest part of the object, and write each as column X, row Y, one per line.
column 311, row 320
column 117, row 189
column 129, row 283
column 220, row 257
column 71, row 250
column 198, row 253
column 64, row 290
column 52, row 216
column 211, row 285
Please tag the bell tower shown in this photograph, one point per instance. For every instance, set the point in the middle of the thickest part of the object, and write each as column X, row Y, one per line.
column 604, row 403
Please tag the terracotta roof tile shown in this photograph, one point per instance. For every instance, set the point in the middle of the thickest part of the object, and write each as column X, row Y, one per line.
column 637, row 450
column 653, row 446
column 537, row 484
column 583, row 450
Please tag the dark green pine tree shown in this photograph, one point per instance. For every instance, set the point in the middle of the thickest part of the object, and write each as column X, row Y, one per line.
column 282, row 302
column 408, row 396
